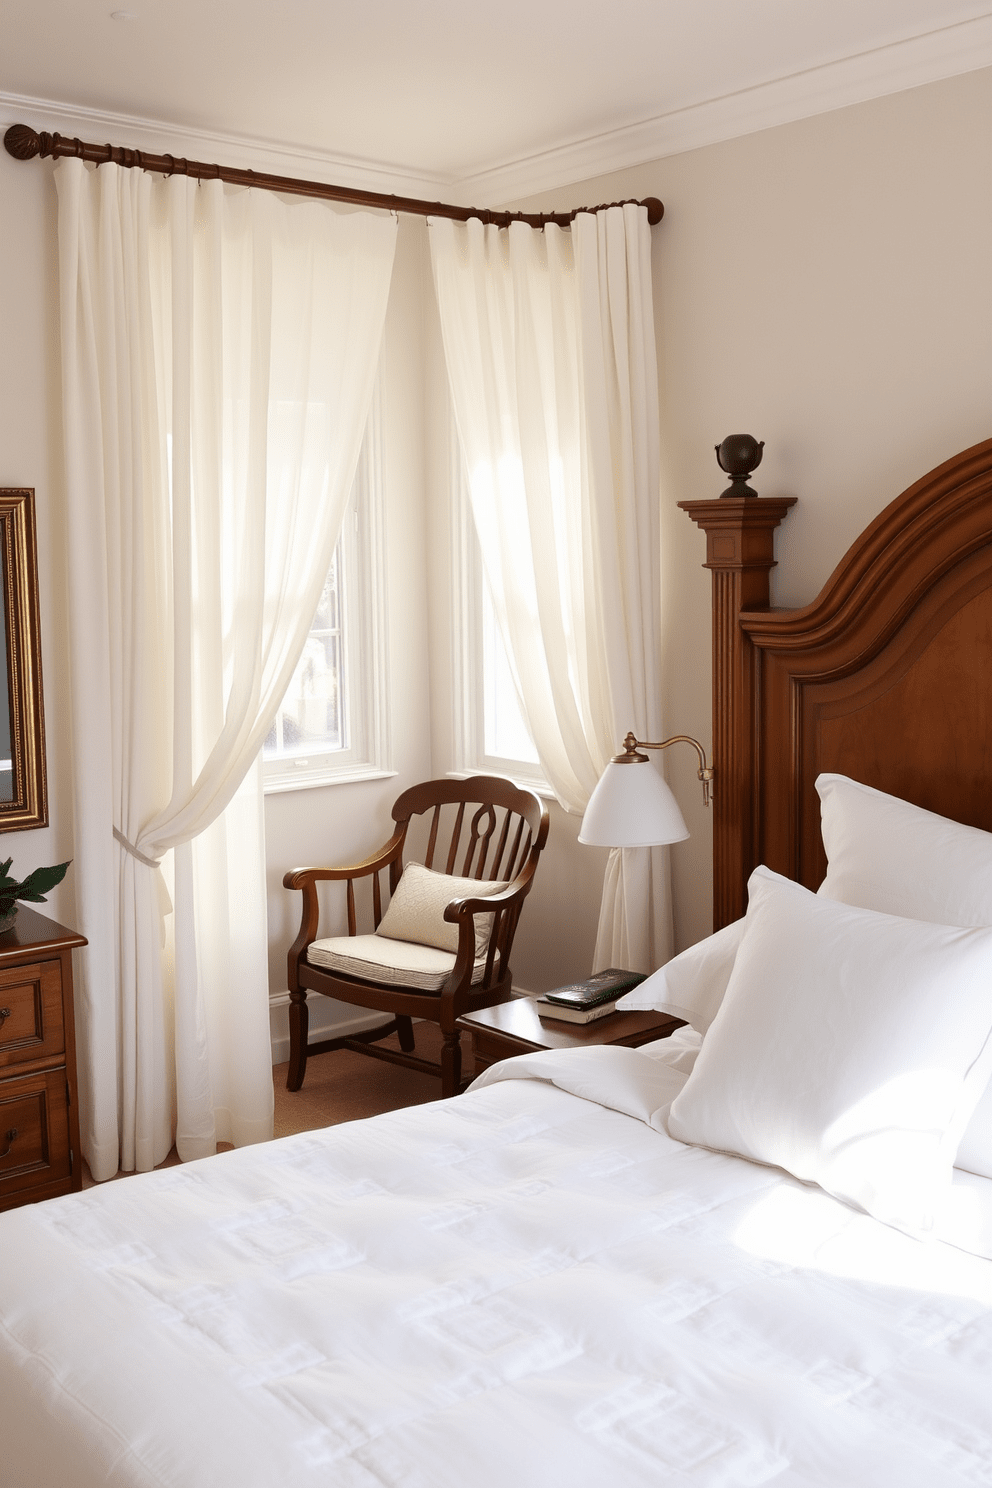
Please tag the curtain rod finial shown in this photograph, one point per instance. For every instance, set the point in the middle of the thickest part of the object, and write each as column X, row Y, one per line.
column 656, row 210
column 22, row 142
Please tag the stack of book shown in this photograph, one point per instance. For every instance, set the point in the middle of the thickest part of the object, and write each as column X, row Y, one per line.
column 583, row 1002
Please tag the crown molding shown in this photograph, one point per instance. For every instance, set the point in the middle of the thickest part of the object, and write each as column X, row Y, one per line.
column 239, row 150
column 948, row 52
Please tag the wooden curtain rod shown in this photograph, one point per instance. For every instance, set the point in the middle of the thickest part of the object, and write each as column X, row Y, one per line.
column 24, row 143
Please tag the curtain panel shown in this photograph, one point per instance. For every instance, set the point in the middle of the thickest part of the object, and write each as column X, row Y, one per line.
column 548, row 338
column 219, row 349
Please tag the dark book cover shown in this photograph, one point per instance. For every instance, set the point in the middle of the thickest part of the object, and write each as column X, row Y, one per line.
column 605, row 986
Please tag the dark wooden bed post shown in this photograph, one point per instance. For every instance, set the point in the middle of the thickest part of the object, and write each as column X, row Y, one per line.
column 740, row 537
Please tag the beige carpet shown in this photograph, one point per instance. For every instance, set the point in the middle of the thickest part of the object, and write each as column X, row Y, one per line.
column 345, row 1087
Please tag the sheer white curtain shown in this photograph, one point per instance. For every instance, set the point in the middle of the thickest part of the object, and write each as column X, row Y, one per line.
column 549, row 344
column 219, row 350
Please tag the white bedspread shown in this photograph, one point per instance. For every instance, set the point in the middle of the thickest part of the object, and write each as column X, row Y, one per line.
column 515, row 1288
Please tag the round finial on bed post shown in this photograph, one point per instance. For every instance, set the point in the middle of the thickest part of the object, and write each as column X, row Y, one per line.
column 738, row 455
column 22, row 142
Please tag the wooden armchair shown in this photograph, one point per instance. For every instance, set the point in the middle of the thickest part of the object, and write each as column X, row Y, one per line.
column 465, row 965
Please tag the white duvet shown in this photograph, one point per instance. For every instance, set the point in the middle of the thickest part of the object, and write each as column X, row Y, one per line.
column 519, row 1287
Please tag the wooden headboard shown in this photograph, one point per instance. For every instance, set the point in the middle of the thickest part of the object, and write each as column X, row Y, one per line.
column 884, row 677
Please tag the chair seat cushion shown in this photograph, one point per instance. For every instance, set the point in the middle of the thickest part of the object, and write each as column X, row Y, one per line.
column 394, row 963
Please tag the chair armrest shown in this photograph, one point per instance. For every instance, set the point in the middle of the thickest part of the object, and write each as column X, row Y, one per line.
column 506, row 907
column 307, row 879
column 304, row 878
column 469, row 907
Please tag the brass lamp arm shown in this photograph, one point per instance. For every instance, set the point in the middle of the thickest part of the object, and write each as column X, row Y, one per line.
column 631, row 757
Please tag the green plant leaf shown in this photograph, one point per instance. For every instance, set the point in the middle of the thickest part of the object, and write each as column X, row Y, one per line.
column 35, row 886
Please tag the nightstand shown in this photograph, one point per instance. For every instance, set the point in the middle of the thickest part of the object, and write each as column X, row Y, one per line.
column 516, row 1028
column 39, row 1114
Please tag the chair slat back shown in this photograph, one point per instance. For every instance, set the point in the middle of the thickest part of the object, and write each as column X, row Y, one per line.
column 456, row 833
column 506, row 831
column 481, row 830
column 432, row 839
column 519, row 851
column 501, row 844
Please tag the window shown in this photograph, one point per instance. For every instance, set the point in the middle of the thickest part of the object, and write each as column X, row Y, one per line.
column 504, row 729
column 491, row 734
column 331, row 725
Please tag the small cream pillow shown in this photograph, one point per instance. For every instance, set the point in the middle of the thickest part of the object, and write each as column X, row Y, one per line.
column 416, row 910
column 850, row 1049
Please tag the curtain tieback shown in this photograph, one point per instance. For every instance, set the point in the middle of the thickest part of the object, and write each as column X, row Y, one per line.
column 129, row 847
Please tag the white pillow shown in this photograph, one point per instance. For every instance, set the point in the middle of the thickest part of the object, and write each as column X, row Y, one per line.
column 416, row 910
column 826, row 1058
column 691, row 985
column 884, row 854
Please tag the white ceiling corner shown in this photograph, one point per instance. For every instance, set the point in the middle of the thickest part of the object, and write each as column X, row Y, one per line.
column 948, row 52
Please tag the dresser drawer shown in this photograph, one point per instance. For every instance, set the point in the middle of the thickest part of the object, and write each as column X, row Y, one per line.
column 34, row 1132
column 31, row 1024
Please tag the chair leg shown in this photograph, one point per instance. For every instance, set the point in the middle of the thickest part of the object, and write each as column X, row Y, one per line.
column 451, row 1064
column 299, row 1033
column 404, row 1029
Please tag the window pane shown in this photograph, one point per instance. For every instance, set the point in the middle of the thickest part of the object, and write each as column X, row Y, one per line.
column 313, row 716
column 506, row 734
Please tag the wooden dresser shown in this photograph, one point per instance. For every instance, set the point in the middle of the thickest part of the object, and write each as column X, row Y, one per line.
column 39, row 1115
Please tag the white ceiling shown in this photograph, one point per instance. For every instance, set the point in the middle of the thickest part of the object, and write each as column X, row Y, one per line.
column 503, row 98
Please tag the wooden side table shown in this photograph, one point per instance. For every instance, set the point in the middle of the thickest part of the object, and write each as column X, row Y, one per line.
column 39, row 1112
column 516, row 1027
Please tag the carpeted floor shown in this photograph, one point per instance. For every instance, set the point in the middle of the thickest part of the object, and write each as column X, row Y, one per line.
column 345, row 1087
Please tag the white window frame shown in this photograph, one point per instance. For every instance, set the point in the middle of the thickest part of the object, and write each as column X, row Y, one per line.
column 469, row 653
column 364, row 627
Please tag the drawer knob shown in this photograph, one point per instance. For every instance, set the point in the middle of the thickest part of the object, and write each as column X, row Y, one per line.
column 10, row 1140
column 4, row 1015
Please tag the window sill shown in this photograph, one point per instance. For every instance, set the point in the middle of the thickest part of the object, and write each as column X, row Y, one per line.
column 317, row 779
column 536, row 783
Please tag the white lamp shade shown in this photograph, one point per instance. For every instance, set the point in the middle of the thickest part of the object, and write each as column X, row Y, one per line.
column 632, row 807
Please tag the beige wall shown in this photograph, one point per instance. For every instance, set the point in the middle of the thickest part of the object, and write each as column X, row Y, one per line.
column 31, row 455
column 825, row 286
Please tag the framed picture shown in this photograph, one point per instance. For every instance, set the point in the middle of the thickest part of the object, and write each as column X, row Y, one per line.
column 23, row 783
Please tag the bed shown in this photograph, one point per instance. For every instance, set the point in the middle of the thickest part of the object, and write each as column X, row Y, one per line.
column 548, row 1279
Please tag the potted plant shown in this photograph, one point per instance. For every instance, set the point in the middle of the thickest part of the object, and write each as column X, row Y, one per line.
column 34, row 887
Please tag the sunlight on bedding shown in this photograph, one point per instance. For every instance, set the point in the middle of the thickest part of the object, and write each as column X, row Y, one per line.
column 807, row 1229
column 892, row 1115
column 904, row 1130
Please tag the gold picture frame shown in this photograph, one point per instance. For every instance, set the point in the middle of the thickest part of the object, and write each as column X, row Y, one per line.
column 23, row 780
